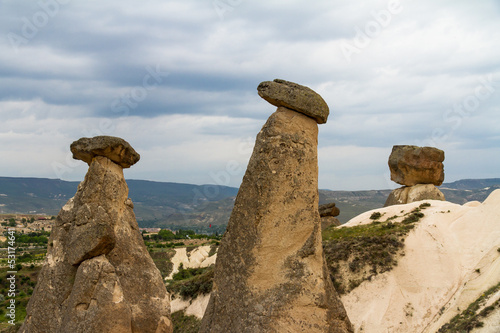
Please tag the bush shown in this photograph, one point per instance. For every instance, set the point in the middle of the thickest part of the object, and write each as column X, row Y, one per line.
column 185, row 324
column 413, row 217
column 365, row 250
column 191, row 282
column 469, row 318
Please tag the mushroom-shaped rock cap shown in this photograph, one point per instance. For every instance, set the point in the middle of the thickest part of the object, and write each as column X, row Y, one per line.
column 296, row 97
column 116, row 149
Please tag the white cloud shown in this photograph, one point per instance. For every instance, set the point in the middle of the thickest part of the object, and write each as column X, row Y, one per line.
column 399, row 89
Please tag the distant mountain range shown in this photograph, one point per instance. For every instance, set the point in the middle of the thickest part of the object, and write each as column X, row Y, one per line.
column 201, row 207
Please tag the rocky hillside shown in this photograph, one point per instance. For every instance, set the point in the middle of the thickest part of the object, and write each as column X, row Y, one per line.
column 424, row 267
column 446, row 280
column 156, row 204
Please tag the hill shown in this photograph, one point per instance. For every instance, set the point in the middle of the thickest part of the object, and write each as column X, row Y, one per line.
column 156, row 204
column 175, row 205
column 471, row 184
column 353, row 203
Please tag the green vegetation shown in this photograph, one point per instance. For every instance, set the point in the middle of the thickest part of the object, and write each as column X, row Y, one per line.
column 35, row 238
column 168, row 235
column 358, row 253
column 25, row 283
column 470, row 318
column 191, row 282
column 185, row 324
column 162, row 260
column 213, row 248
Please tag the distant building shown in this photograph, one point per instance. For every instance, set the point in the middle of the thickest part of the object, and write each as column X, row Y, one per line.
column 150, row 230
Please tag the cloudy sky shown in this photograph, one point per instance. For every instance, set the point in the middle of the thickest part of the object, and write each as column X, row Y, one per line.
column 177, row 79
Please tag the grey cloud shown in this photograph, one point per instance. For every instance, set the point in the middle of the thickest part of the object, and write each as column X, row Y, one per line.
column 93, row 59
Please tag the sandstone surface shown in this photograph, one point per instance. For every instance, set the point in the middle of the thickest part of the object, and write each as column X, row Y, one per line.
column 295, row 97
column 98, row 275
column 412, row 165
column 408, row 194
column 116, row 149
column 270, row 274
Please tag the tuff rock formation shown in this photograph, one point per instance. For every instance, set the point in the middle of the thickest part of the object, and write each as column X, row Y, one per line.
column 412, row 165
column 419, row 170
column 327, row 212
column 328, row 209
column 98, row 275
column 270, row 274
column 408, row 194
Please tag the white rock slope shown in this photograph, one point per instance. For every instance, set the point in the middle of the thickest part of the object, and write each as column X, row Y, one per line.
column 451, row 258
column 199, row 257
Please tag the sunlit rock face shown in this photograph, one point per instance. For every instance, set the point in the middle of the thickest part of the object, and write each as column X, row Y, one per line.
column 98, row 275
column 270, row 274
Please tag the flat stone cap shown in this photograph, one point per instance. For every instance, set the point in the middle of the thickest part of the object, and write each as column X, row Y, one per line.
column 116, row 149
column 295, row 97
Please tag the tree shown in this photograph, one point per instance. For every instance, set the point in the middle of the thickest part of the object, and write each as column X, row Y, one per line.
column 166, row 234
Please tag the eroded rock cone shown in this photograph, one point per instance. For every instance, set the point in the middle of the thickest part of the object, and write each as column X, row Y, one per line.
column 98, row 275
column 270, row 274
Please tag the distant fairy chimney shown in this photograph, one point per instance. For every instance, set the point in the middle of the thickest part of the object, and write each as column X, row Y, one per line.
column 419, row 170
column 328, row 213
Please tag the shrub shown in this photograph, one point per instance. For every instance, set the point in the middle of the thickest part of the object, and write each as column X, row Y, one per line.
column 185, row 324
column 365, row 250
column 413, row 217
column 469, row 318
column 191, row 282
